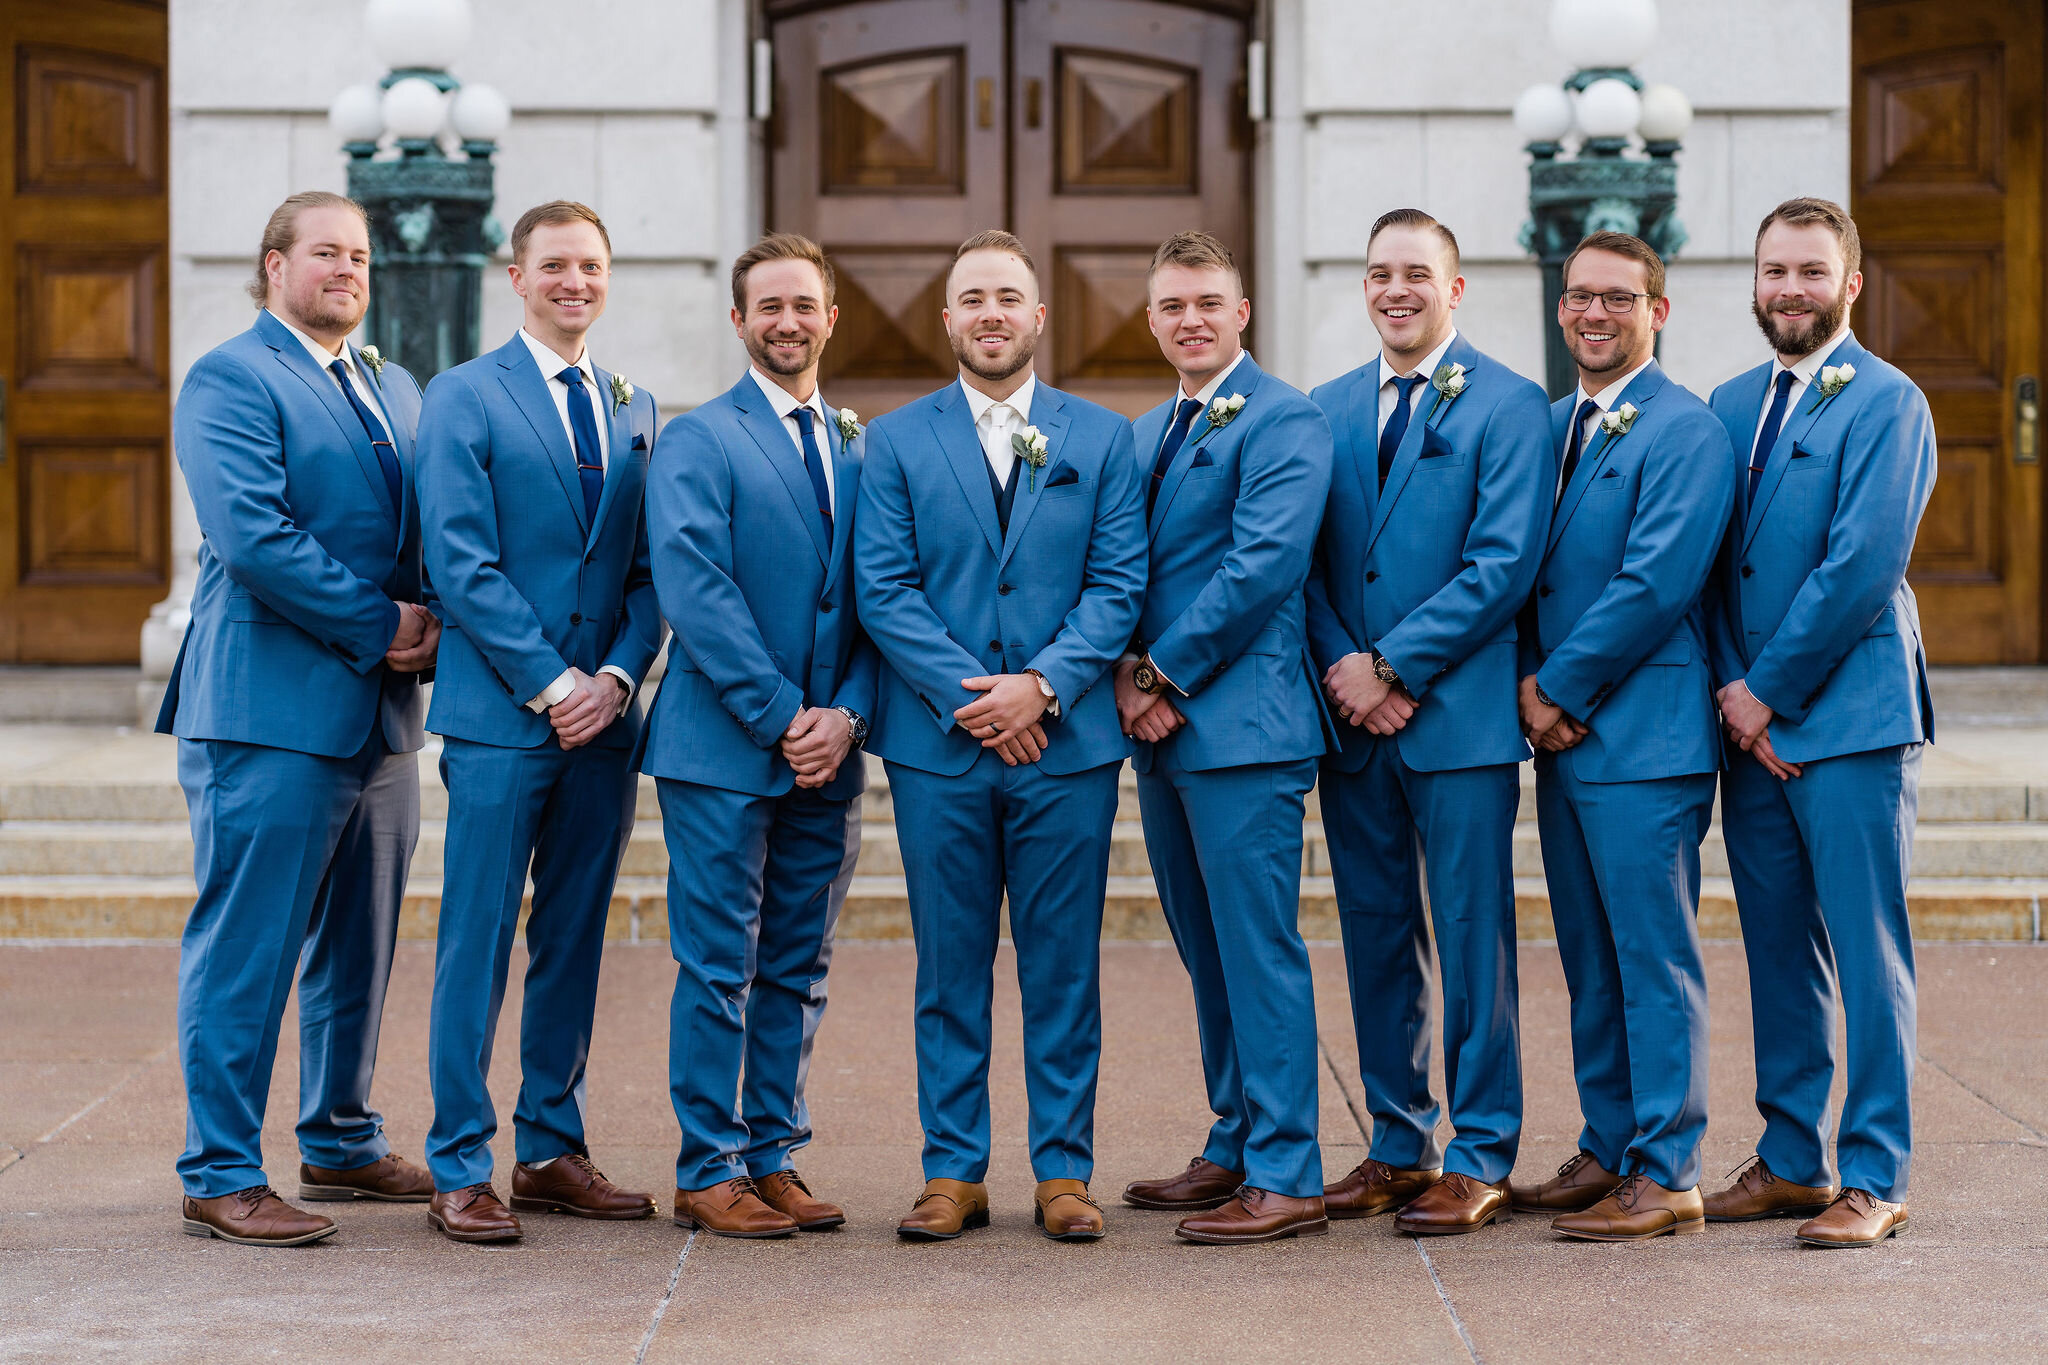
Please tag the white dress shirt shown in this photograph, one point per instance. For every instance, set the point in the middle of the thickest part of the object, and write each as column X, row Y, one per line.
column 1207, row 393
column 1803, row 374
column 786, row 407
column 1606, row 401
column 996, row 420
column 324, row 358
column 1388, row 393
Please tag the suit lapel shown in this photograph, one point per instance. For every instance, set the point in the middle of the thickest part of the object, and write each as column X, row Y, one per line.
column 1361, row 414
column 620, row 421
column 401, row 441
column 528, row 389
column 1244, row 381
column 1641, row 390
column 1051, row 420
column 845, row 489
column 757, row 415
column 1797, row 424
column 347, row 425
column 1430, row 411
column 953, row 429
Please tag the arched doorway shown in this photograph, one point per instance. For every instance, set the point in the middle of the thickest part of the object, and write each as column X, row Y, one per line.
column 1091, row 128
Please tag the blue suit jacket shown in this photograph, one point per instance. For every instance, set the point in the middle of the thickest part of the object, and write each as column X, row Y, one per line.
column 1232, row 532
column 946, row 596
column 1615, row 633
column 1433, row 572
column 303, row 555
column 524, row 586
column 1809, row 601
column 761, row 605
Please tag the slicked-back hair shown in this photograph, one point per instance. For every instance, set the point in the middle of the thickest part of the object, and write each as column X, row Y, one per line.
column 1414, row 218
column 1800, row 212
column 281, row 233
column 780, row 246
column 553, row 213
column 1621, row 244
column 996, row 239
column 1194, row 251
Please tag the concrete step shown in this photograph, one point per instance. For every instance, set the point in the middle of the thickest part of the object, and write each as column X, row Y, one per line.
column 68, row 694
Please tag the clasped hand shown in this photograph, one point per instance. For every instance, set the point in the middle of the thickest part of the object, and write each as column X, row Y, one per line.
column 1547, row 726
column 1363, row 698
column 816, row 743
column 1144, row 715
column 593, row 703
column 1749, row 726
column 419, row 636
column 1006, row 716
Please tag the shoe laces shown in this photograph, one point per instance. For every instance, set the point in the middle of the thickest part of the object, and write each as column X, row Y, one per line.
column 256, row 1194
column 1863, row 1201
column 1630, row 1190
column 1578, row 1159
column 1753, row 1174
column 584, row 1164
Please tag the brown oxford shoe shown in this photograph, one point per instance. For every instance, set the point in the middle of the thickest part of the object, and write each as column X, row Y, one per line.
column 391, row 1179
column 1857, row 1219
column 731, row 1208
column 946, row 1209
column 570, row 1184
column 472, row 1214
column 1066, row 1212
column 1580, row 1183
column 1757, row 1193
column 1256, row 1215
column 1457, row 1203
column 1638, row 1210
column 1374, row 1188
column 254, row 1217
column 786, row 1193
column 1203, row 1185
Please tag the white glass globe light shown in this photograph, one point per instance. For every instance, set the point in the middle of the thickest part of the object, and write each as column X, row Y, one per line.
column 427, row 34
column 1667, row 114
column 1543, row 113
column 357, row 114
column 1607, row 108
column 1603, row 33
column 414, row 109
column 479, row 114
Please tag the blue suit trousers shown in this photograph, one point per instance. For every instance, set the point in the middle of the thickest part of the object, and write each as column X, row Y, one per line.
column 567, row 813
column 301, row 862
column 1387, row 823
column 1225, row 846
column 1820, row 865
column 755, row 886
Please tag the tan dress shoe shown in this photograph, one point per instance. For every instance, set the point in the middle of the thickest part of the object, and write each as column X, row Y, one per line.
column 1757, row 1193
column 1255, row 1215
column 1374, row 1188
column 1639, row 1210
column 1857, row 1219
column 946, row 1209
column 1065, row 1211
column 391, row 1179
column 1203, row 1185
column 1457, row 1203
column 571, row 1184
column 472, row 1214
column 731, row 1208
column 1580, row 1183
column 786, row 1193
column 254, row 1217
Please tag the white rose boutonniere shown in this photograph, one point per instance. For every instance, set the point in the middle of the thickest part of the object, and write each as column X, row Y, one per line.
column 1222, row 410
column 1449, row 381
column 849, row 425
column 1030, row 446
column 1833, row 379
column 374, row 358
column 622, row 391
column 1617, row 423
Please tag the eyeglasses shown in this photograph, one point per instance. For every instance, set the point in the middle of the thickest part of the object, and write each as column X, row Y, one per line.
column 1617, row 301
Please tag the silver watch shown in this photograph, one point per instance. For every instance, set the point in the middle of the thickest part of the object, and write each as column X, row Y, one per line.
column 859, row 724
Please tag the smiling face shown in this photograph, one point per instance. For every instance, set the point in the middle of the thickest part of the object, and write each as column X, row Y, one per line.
column 563, row 276
column 1802, row 297
column 1198, row 314
column 322, row 286
column 993, row 318
column 1411, row 288
column 1607, row 344
column 787, row 322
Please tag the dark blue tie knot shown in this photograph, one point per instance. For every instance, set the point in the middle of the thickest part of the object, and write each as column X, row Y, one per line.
column 1397, row 422
column 1407, row 386
column 1183, row 421
column 1185, row 413
column 572, row 376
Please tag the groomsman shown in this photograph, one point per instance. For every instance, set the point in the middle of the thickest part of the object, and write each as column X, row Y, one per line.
column 1000, row 567
column 755, row 742
column 296, row 705
column 1816, row 642
column 1429, row 546
column 532, row 462
column 1223, row 699
column 1616, row 696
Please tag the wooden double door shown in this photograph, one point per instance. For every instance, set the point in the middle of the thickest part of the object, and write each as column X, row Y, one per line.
column 1093, row 129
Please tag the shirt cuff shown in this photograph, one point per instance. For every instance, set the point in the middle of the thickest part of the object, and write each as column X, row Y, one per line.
column 560, row 688
column 1162, row 675
column 624, row 681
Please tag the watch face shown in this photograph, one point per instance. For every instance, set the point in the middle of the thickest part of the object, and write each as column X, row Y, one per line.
column 1144, row 679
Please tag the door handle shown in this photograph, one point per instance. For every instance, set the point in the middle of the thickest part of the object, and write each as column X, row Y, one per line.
column 984, row 102
column 2026, row 420
column 1034, row 94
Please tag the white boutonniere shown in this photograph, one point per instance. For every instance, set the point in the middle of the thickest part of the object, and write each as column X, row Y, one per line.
column 1617, row 423
column 1833, row 379
column 849, row 425
column 374, row 358
column 622, row 391
column 1029, row 446
column 1449, row 381
column 1223, row 410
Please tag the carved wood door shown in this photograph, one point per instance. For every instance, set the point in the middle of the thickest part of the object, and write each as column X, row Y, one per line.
column 85, row 336
column 1946, row 168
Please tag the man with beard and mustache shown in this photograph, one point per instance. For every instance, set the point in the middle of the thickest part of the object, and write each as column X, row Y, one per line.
column 1815, row 640
column 1000, row 557
column 1616, row 697
column 296, row 704
column 755, row 742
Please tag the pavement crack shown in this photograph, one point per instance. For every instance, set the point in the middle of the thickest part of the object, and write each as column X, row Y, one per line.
column 668, row 1296
column 1996, row 1107
column 1337, row 1079
column 21, row 1155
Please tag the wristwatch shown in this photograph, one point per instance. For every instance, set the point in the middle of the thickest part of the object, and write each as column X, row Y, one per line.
column 1545, row 697
column 857, row 721
column 1045, row 689
column 1146, row 678
column 1384, row 671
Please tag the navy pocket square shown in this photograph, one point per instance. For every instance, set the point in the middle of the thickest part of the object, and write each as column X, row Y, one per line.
column 1612, row 474
column 639, row 441
column 1800, row 452
column 1063, row 476
column 1201, row 460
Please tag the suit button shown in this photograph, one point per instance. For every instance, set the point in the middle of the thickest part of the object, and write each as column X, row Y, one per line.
column 1004, row 589
column 1747, row 571
column 825, row 605
column 996, row 645
column 575, row 618
column 1543, row 591
column 1372, row 576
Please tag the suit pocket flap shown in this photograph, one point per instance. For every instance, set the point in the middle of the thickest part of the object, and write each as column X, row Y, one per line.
column 1267, row 641
column 1885, row 624
column 244, row 606
column 1676, row 650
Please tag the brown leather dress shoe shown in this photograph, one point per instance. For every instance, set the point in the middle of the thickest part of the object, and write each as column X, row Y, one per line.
column 1858, row 1219
column 1065, row 1212
column 786, row 1193
column 472, row 1214
column 1256, row 1215
column 731, row 1208
column 946, row 1209
column 254, row 1217
column 570, row 1184
column 1757, row 1193
column 1457, row 1203
column 1203, row 1185
column 390, row 1178
column 1374, row 1188
column 1639, row 1210
column 1580, row 1183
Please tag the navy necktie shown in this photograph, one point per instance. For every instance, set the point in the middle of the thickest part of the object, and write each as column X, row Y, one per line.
column 589, row 454
column 1397, row 423
column 1774, row 422
column 1576, row 442
column 815, row 464
column 1183, row 422
column 387, row 454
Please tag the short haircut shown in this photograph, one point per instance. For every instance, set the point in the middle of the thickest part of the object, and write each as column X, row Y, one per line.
column 996, row 239
column 281, row 233
column 1622, row 244
column 1413, row 218
column 780, row 246
column 1800, row 212
column 552, row 213
column 1194, row 251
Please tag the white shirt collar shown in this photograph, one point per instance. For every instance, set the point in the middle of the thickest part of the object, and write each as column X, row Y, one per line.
column 551, row 362
column 1810, row 364
column 784, row 402
column 1426, row 368
column 1611, row 395
column 1019, row 402
column 1207, row 393
column 321, row 356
